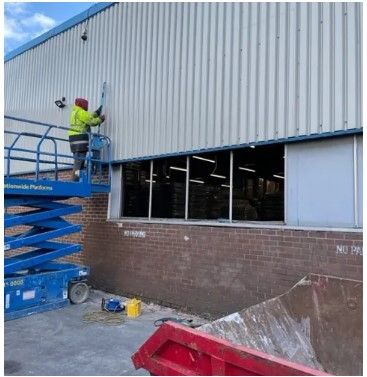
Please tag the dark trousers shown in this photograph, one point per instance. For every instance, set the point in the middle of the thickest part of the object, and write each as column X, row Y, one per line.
column 79, row 148
column 79, row 160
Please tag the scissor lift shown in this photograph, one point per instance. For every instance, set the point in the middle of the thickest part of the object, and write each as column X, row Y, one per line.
column 34, row 211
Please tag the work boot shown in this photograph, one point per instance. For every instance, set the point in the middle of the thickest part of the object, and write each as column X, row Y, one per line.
column 75, row 175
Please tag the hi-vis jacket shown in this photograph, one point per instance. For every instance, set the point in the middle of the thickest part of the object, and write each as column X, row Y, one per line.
column 81, row 121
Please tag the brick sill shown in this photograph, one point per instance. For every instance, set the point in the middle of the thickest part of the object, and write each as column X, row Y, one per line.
column 250, row 224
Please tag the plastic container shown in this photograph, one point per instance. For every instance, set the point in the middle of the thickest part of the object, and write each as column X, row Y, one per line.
column 133, row 308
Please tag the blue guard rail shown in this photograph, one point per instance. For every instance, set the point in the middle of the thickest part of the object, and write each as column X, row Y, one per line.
column 33, row 220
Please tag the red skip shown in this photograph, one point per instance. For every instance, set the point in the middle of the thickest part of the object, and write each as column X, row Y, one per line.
column 177, row 350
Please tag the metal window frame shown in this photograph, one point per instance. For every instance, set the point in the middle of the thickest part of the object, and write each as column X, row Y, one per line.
column 285, row 221
column 150, row 190
column 119, row 198
column 285, row 184
column 187, row 192
column 355, row 180
column 150, row 199
column 187, row 188
column 122, row 208
column 230, row 215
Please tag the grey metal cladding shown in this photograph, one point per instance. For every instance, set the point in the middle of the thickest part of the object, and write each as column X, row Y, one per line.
column 329, row 199
column 187, row 76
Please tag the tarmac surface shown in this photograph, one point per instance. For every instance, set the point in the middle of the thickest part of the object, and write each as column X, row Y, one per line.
column 66, row 342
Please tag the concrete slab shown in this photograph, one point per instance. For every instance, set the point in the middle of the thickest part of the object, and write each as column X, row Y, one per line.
column 61, row 343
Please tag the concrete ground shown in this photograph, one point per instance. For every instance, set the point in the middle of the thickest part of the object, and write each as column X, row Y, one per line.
column 62, row 342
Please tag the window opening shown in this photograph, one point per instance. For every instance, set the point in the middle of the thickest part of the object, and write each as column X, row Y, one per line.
column 258, row 183
column 169, row 182
column 209, row 185
column 136, row 179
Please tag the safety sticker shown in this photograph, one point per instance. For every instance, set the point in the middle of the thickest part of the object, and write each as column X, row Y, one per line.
column 7, row 301
column 65, row 294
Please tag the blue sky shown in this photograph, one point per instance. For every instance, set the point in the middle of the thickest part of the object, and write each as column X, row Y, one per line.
column 26, row 21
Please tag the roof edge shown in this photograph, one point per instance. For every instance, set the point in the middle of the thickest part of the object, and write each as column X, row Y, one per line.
column 284, row 140
column 94, row 9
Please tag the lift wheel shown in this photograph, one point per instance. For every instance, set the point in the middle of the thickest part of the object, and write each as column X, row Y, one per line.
column 78, row 292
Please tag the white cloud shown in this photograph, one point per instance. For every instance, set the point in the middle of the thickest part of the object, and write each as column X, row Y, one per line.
column 15, row 9
column 39, row 20
column 21, row 25
column 12, row 30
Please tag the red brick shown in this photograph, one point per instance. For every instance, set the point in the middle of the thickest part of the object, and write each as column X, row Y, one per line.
column 219, row 270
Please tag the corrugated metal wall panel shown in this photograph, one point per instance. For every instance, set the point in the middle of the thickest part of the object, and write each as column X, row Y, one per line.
column 187, row 76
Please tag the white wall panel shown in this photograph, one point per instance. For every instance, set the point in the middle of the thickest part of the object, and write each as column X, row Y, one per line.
column 187, row 76
column 320, row 183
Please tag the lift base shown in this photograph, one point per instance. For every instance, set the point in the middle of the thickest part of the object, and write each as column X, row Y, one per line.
column 36, row 291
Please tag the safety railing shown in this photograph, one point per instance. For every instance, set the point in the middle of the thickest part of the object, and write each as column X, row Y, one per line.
column 94, row 166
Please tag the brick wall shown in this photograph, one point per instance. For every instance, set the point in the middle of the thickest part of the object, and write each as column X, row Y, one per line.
column 94, row 208
column 211, row 269
column 206, row 269
column 94, row 211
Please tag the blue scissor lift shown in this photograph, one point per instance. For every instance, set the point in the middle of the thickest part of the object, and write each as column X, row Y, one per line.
column 33, row 219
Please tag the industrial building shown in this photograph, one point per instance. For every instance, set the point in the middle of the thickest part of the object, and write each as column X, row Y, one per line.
column 236, row 135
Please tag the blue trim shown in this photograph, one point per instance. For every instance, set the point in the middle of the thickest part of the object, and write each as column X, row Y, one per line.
column 294, row 139
column 94, row 9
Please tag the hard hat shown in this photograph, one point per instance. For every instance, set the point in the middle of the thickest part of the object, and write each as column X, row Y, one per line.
column 81, row 102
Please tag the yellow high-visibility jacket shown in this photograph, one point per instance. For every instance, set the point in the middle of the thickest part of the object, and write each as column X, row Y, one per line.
column 81, row 121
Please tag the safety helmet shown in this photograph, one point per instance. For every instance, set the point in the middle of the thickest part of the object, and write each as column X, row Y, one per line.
column 81, row 102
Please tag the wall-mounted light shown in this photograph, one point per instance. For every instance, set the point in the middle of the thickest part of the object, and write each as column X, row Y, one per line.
column 60, row 103
column 278, row 176
column 228, row 186
column 252, row 146
column 196, row 181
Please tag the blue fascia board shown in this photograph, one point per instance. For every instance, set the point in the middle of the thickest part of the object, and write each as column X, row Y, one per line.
column 94, row 9
column 289, row 140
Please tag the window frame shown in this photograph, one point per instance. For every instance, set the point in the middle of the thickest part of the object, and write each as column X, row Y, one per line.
column 186, row 218
column 280, row 225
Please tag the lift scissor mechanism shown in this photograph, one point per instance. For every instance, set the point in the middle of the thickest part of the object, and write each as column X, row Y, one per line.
column 35, row 208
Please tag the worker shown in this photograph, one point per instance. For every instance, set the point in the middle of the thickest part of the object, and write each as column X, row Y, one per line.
column 80, row 123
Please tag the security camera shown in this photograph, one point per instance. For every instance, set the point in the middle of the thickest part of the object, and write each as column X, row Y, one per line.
column 84, row 36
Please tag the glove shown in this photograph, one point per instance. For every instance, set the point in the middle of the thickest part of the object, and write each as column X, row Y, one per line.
column 98, row 111
column 102, row 117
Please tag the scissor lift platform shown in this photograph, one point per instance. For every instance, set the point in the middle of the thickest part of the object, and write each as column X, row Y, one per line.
column 34, row 219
